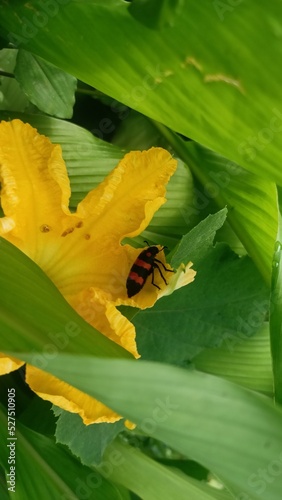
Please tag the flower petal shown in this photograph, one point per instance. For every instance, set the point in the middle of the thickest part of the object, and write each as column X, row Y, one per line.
column 35, row 194
column 8, row 365
column 35, row 189
column 182, row 277
column 81, row 252
column 122, row 205
column 98, row 309
column 133, row 192
column 129, row 425
column 68, row 398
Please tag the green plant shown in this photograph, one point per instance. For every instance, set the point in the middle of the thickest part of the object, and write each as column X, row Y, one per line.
column 201, row 79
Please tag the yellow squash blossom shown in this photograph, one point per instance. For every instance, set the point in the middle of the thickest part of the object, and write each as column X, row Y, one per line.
column 81, row 252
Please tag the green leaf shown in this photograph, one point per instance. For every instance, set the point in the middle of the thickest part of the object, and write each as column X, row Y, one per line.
column 174, row 69
column 241, row 359
column 49, row 88
column 156, row 13
column 231, row 431
column 3, row 486
column 279, row 190
column 251, row 200
column 151, row 480
column 80, row 438
column 131, row 468
column 44, row 469
column 35, row 317
column 227, row 299
column 11, row 95
column 199, row 240
column 276, row 316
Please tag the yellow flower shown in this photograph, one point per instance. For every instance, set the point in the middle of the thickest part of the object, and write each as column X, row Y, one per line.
column 81, row 252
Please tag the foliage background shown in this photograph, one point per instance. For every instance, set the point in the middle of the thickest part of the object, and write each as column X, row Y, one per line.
column 203, row 80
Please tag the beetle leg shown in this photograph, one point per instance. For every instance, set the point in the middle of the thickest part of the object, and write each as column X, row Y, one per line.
column 153, row 275
column 156, row 266
column 165, row 268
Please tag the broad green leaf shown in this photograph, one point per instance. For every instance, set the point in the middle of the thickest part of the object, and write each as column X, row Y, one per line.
column 35, row 317
column 132, row 469
column 88, row 442
column 231, row 97
column 3, row 488
column 227, row 235
column 241, row 359
column 156, row 13
column 49, row 88
column 227, row 297
column 11, row 95
column 276, row 316
column 230, row 430
column 46, row 470
column 199, row 240
column 279, row 189
column 251, row 200
column 151, row 480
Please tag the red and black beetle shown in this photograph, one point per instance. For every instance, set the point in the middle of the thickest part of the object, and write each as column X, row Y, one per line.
column 144, row 265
